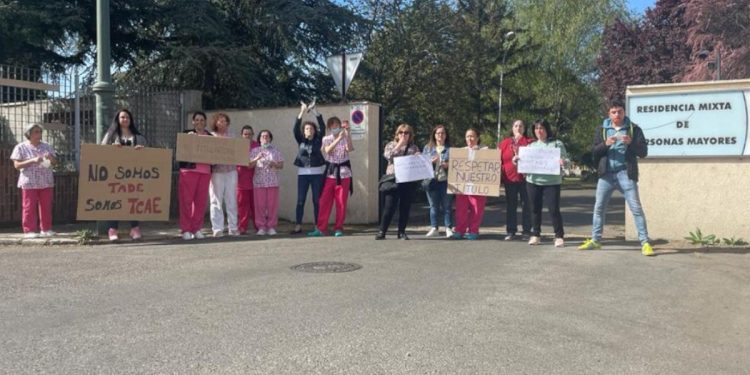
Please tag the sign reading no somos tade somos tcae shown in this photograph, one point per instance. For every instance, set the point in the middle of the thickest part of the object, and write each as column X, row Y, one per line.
column 693, row 124
column 124, row 183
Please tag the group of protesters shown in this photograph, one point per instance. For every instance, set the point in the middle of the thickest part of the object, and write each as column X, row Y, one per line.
column 245, row 197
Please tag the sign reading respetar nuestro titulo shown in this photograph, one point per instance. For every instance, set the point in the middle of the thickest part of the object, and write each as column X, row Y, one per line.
column 709, row 123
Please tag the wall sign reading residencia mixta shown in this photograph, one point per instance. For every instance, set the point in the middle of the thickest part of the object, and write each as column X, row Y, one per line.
column 707, row 123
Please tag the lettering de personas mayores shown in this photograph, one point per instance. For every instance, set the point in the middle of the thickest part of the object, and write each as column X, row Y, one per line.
column 474, row 172
column 124, row 183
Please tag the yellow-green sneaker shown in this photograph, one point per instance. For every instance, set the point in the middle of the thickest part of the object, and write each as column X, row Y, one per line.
column 590, row 244
column 647, row 250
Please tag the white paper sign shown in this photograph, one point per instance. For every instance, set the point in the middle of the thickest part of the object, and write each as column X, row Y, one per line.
column 539, row 160
column 413, row 168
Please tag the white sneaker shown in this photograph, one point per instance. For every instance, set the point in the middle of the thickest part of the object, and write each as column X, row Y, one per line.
column 234, row 233
column 48, row 233
column 218, row 233
column 559, row 242
column 29, row 235
column 534, row 240
column 187, row 236
column 261, row 232
column 448, row 232
column 198, row 235
column 272, row 232
column 432, row 233
column 510, row 237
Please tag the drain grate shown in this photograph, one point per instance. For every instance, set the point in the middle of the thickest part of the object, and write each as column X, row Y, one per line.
column 326, row 267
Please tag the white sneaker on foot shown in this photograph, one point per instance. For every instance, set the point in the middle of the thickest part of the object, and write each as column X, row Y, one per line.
column 198, row 235
column 448, row 232
column 48, row 233
column 29, row 235
column 559, row 242
column 261, row 232
column 534, row 240
column 234, row 233
column 272, row 232
column 187, row 236
column 218, row 233
column 510, row 237
column 432, row 232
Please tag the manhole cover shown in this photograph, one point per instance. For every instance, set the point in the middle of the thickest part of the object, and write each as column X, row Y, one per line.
column 326, row 267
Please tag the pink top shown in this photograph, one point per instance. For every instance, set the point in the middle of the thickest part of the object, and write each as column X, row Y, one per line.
column 33, row 176
column 265, row 176
column 337, row 156
column 245, row 174
column 199, row 167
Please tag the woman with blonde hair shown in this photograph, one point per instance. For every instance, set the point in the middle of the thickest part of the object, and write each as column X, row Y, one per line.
column 401, row 194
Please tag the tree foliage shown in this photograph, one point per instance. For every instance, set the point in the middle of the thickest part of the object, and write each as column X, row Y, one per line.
column 663, row 47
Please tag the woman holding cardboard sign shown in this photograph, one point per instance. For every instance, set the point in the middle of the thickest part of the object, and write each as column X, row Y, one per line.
column 469, row 208
column 123, row 132
column 545, row 187
column 402, row 144
column 223, row 187
column 193, row 187
column 34, row 160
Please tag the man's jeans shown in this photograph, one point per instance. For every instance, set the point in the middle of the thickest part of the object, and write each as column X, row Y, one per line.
column 629, row 189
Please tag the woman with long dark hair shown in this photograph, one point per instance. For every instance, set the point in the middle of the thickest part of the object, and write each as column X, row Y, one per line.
column 437, row 187
column 123, row 132
column 309, row 161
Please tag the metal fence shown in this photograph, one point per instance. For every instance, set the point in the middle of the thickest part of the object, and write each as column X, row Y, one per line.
column 66, row 109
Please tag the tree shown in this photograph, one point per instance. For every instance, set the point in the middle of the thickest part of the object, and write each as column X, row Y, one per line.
column 723, row 27
column 644, row 51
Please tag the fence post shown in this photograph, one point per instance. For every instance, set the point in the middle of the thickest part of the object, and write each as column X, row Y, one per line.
column 77, row 120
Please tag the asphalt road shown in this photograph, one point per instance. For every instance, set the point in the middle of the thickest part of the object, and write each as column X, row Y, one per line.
column 418, row 307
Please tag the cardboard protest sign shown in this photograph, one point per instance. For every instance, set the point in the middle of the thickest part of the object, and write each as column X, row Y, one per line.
column 474, row 172
column 212, row 150
column 537, row 160
column 124, row 183
column 413, row 168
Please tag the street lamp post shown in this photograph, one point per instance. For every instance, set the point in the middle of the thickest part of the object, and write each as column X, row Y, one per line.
column 103, row 88
column 716, row 63
column 507, row 37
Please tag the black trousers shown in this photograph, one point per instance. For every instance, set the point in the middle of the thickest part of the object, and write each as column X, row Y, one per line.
column 401, row 197
column 514, row 191
column 550, row 195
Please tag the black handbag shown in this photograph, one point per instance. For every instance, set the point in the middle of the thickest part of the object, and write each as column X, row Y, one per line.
column 387, row 183
column 429, row 184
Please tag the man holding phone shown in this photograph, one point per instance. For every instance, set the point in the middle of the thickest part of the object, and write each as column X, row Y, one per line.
column 618, row 144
